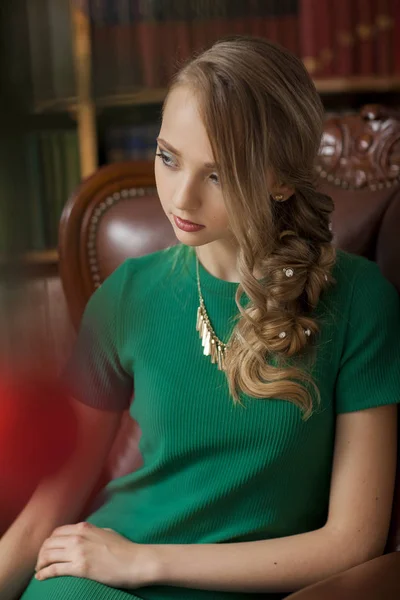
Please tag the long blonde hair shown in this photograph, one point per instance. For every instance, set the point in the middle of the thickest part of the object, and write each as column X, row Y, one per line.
column 262, row 112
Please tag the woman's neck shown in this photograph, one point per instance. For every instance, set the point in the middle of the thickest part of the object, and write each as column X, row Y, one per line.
column 220, row 259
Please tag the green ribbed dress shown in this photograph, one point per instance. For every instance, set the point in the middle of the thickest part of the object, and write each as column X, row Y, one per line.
column 215, row 472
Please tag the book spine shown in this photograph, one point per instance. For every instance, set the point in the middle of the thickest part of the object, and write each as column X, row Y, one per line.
column 46, row 159
column 308, row 36
column 239, row 22
column 384, row 26
column 39, row 43
column 131, row 144
column 111, row 30
column 135, row 50
column 365, row 37
column 211, row 25
column 256, row 23
column 114, row 142
column 72, row 168
column 59, row 198
column 180, row 30
column 222, row 21
column 167, row 43
column 123, row 48
column 97, row 14
column 35, row 181
column 324, row 37
column 289, row 26
column 61, row 49
column 149, row 43
column 198, row 26
column 395, row 10
column 151, row 143
column 344, row 39
column 272, row 20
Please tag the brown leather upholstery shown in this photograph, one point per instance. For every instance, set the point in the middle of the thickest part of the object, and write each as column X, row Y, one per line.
column 115, row 214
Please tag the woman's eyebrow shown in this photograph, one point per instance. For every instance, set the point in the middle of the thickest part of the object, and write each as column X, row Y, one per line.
column 208, row 165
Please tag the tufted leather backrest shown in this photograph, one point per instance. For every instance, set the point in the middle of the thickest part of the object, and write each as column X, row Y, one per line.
column 116, row 214
column 112, row 215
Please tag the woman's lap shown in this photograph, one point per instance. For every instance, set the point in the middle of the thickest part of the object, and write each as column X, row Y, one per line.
column 73, row 588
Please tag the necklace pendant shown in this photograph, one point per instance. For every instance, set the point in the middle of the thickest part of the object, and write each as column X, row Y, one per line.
column 221, row 365
column 214, row 351
column 207, row 343
column 212, row 345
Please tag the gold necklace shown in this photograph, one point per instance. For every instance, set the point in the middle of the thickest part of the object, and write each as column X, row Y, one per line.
column 212, row 345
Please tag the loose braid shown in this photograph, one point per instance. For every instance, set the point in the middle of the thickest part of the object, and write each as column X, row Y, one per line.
column 264, row 118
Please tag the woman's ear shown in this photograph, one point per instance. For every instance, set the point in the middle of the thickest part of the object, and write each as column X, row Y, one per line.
column 281, row 190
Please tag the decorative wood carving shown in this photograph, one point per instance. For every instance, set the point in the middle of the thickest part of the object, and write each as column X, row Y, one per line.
column 361, row 150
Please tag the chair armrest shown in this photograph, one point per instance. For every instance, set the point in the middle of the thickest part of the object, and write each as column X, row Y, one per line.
column 376, row 579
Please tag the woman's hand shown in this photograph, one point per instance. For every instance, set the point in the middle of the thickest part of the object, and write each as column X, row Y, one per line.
column 83, row 550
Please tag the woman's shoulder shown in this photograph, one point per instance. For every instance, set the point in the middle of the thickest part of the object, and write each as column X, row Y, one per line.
column 138, row 277
column 353, row 272
column 152, row 265
column 349, row 265
column 360, row 288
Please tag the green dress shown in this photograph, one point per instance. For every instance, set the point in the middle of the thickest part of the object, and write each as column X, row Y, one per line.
column 213, row 471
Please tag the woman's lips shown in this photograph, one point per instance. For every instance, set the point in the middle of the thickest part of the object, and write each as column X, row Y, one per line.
column 187, row 225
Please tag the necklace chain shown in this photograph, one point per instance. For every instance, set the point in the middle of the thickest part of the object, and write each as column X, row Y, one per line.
column 211, row 343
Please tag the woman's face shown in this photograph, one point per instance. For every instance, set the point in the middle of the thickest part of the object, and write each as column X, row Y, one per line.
column 186, row 176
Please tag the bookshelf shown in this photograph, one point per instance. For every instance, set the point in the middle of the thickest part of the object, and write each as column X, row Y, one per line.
column 334, row 85
column 105, row 30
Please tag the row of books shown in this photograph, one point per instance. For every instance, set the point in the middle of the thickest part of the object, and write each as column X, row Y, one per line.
column 143, row 43
column 53, row 172
column 350, row 37
column 130, row 142
column 139, row 44
column 48, row 23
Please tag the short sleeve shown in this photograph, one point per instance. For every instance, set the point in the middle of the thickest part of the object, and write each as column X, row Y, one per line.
column 369, row 373
column 94, row 374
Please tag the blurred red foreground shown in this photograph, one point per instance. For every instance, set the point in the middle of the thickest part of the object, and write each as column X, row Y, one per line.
column 37, row 435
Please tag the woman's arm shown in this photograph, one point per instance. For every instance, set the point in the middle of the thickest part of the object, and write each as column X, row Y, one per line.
column 57, row 500
column 356, row 529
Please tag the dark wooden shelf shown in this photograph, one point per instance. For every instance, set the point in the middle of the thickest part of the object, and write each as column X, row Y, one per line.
column 70, row 105
column 339, row 85
column 145, row 96
column 40, row 257
column 331, row 85
column 334, row 85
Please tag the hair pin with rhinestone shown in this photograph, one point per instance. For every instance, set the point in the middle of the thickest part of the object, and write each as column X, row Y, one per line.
column 283, row 334
column 288, row 272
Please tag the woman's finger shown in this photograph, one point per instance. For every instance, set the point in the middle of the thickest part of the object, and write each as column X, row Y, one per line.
column 57, row 570
column 49, row 557
column 75, row 529
column 55, row 541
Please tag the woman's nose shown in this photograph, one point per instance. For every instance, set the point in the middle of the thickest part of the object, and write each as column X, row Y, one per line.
column 186, row 195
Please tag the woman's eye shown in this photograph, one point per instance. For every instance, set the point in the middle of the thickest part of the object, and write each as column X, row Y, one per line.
column 167, row 160
column 214, row 178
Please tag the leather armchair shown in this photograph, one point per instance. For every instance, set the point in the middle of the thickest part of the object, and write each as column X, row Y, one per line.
column 116, row 214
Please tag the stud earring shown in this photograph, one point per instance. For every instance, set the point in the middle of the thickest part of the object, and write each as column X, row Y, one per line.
column 279, row 198
column 282, row 335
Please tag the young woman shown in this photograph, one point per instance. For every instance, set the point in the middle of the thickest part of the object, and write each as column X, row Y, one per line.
column 269, row 443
